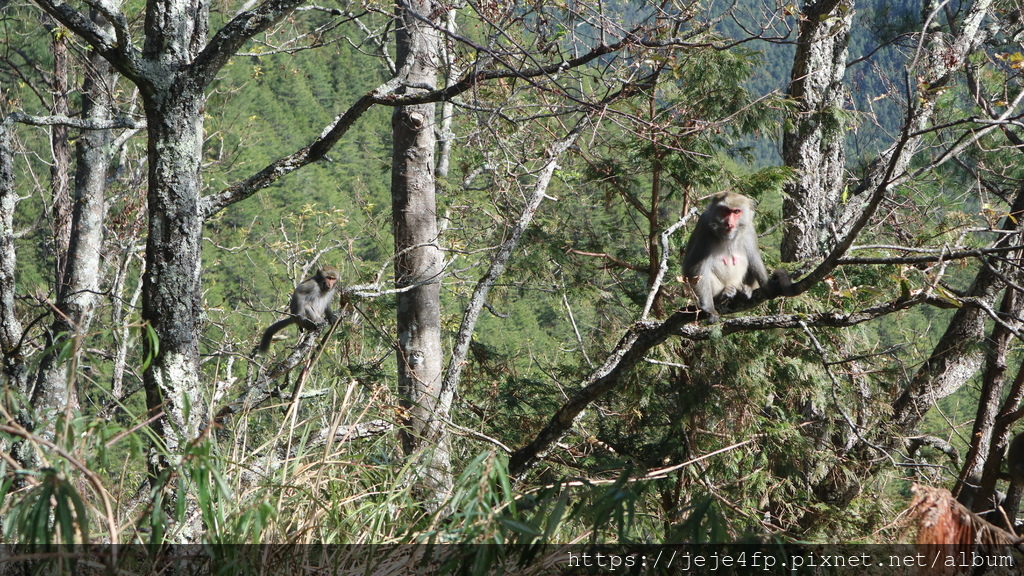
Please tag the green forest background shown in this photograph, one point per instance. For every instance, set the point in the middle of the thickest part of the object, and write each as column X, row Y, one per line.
column 556, row 312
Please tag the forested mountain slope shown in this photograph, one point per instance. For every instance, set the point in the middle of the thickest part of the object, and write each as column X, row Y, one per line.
column 506, row 192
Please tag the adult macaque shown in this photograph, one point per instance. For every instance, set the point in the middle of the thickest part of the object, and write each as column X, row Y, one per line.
column 310, row 306
column 722, row 257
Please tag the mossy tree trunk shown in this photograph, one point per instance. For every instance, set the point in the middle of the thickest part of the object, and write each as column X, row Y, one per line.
column 78, row 283
column 814, row 144
column 172, row 70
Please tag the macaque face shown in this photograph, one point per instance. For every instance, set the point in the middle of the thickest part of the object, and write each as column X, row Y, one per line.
column 730, row 218
column 329, row 282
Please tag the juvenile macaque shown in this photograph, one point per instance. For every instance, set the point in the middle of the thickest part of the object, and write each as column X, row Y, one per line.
column 1015, row 460
column 310, row 306
column 1015, row 466
column 722, row 257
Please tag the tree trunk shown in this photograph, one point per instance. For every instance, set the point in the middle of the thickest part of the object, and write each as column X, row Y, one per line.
column 93, row 160
column 172, row 71
column 956, row 358
column 170, row 289
column 418, row 258
column 815, row 147
column 79, row 288
column 15, row 373
column 120, row 315
column 451, row 73
column 60, row 186
column 11, row 330
column 975, row 486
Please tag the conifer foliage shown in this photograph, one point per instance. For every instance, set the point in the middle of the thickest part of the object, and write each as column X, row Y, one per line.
column 506, row 189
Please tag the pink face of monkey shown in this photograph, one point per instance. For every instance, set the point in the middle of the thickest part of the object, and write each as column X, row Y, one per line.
column 730, row 218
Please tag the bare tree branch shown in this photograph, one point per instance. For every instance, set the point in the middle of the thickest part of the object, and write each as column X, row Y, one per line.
column 316, row 150
column 229, row 39
column 83, row 123
column 500, row 260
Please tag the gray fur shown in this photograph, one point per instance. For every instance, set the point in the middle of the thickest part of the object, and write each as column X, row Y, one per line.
column 310, row 306
column 720, row 263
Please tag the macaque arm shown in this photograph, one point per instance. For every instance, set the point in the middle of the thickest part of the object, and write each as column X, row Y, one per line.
column 697, row 267
column 303, row 304
column 706, row 288
column 755, row 266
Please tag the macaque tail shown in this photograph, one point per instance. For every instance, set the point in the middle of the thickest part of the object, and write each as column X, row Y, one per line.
column 268, row 336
